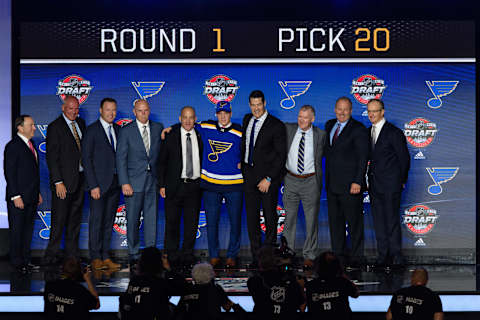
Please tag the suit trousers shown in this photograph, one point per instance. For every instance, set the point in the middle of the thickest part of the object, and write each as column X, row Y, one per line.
column 254, row 200
column 20, row 230
column 188, row 198
column 146, row 202
column 100, row 221
column 66, row 214
column 307, row 191
column 346, row 208
column 386, row 221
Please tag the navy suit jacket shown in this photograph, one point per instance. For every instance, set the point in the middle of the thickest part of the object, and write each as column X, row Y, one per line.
column 389, row 160
column 132, row 159
column 21, row 171
column 98, row 157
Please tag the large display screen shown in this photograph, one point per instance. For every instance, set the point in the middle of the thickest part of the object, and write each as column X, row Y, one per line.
column 428, row 93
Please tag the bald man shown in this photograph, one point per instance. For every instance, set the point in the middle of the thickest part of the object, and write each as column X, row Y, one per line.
column 136, row 157
column 416, row 301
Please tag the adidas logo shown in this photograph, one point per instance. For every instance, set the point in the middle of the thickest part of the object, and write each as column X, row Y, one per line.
column 420, row 243
column 366, row 199
column 419, row 156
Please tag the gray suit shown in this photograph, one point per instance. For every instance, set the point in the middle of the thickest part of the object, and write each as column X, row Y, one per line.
column 139, row 169
column 308, row 191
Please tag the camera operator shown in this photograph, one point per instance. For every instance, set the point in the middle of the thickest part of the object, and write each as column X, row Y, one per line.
column 66, row 298
column 149, row 291
column 327, row 295
column 275, row 290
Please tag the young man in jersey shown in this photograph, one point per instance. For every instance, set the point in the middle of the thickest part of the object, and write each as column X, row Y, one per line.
column 327, row 295
column 416, row 301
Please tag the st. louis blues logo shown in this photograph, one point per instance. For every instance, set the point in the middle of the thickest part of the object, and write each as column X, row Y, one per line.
column 42, row 146
column 147, row 89
column 202, row 222
column 440, row 176
column 440, row 89
column 292, row 89
column 46, row 217
column 217, row 148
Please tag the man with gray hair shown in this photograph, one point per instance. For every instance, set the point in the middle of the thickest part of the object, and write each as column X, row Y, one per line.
column 303, row 181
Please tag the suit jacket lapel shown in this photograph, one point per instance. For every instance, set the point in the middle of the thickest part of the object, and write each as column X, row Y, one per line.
column 66, row 128
column 104, row 134
column 138, row 136
column 316, row 138
column 291, row 135
column 262, row 130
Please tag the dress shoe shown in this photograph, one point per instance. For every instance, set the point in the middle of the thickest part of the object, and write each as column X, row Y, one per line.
column 230, row 263
column 22, row 269
column 32, row 267
column 215, row 262
column 109, row 264
column 97, row 264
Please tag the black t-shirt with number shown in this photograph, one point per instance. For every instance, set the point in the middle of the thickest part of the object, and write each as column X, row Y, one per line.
column 276, row 295
column 146, row 298
column 415, row 302
column 202, row 301
column 67, row 299
column 328, row 298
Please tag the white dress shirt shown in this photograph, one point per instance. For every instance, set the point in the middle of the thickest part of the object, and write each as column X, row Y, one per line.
column 308, row 159
column 106, row 126
column 69, row 123
column 378, row 128
column 195, row 153
column 258, row 126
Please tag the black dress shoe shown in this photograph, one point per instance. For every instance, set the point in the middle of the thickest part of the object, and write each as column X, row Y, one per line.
column 22, row 269
column 32, row 267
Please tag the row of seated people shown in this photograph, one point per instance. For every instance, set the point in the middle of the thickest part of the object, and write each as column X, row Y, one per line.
column 276, row 291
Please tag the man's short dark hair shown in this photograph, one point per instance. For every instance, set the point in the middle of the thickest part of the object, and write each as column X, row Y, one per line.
column 327, row 265
column 72, row 269
column 380, row 102
column 20, row 120
column 344, row 99
column 107, row 100
column 150, row 262
column 267, row 259
column 308, row 107
column 256, row 94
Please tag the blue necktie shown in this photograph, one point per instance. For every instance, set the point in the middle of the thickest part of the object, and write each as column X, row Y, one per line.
column 110, row 136
column 301, row 153
column 252, row 143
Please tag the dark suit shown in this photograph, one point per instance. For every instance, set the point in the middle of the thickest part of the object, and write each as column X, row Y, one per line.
column 63, row 160
column 387, row 173
column 180, row 194
column 346, row 163
column 139, row 169
column 98, row 158
column 306, row 189
column 22, row 176
column 269, row 156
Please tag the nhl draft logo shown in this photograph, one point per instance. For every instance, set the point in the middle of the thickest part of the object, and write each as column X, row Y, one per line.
column 420, row 219
column 420, row 132
column 220, row 88
column 202, row 222
column 367, row 87
column 46, row 217
column 292, row 89
column 74, row 85
column 123, row 122
column 147, row 89
column 440, row 176
column 281, row 220
column 440, row 89
column 120, row 222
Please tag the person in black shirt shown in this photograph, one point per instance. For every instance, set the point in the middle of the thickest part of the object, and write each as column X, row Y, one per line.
column 416, row 301
column 148, row 293
column 276, row 293
column 327, row 295
column 66, row 298
column 203, row 299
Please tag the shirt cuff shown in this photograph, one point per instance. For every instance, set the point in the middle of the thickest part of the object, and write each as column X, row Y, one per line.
column 15, row 197
column 58, row 182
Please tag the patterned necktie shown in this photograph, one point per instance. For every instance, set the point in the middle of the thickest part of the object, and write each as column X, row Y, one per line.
column 301, row 153
column 335, row 135
column 373, row 139
column 75, row 135
column 30, row 145
column 189, row 160
column 252, row 143
column 146, row 140
column 110, row 136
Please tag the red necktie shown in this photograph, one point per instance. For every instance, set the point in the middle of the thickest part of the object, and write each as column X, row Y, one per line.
column 30, row 145
column 335, row 135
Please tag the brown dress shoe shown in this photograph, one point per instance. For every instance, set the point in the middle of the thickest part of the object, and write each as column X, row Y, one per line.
column 230, row 263
column 215, row 262
column 109, row 264
column 97, row 264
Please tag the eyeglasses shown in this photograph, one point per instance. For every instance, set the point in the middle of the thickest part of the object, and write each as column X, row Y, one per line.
column 374, row 111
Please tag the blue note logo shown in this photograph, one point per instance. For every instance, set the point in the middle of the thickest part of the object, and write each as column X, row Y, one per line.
column 202, row 222
column 46, row 217
column 440, row 176
column 42, row 146
column 440, row 89
column 217, row 148
column 292, row 89
column 147, row 89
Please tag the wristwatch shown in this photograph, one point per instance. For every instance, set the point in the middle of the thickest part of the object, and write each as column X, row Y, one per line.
column 268, row 179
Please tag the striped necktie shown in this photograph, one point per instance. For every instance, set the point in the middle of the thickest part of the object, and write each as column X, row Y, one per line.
column 301, row 154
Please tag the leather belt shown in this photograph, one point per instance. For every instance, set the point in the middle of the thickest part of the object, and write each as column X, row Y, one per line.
column 301, row 176
column 188, row 180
